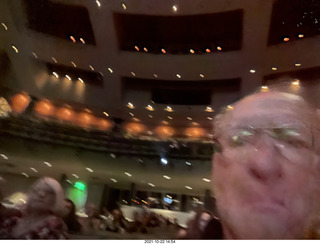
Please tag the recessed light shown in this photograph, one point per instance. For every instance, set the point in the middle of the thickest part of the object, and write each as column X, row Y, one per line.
column 55, row 74
column 150, row 184
column 201, row 75
column 164, row 161
column 110, row 70
column 195, row 123
column 169, row 117
column 297, row 64
column 75, row 176
column 209, row 118
column 252, row 71
column 274, row 68
column 89, row 169
column 114, row 180
column 15, row 49
column 69, row 182
column 4, row 156
column 72, row 39
column 48, row 164
column 80, row 80
column 68, row 77
column 130, row 105
column 145, row 49
column 150, row 116
column 128, row 174
column 192, row 51
column 74, row 64
column 98, row 3
column 26, row 175
column 150, row 108
column 34, row 55
column 206, row 180
column 165, row 122
column 175, row 8
column 264, row 88
column 155, row 75
column 33, row 169
column 286, row 39
column 54, row 60
column 163, row 50
column 295, row 83
column 133, row 74
column 300, row 35
column 4, row 26
column 123, row 6
column 131, row 114
column 189, row 118
column 168, row 109
column 188, row 187
column 91, row 68
column 208, row 50
column 83, row 42
column 209, row 109
column 219, row 48
column 136, row 119
column 167, row 177
column 106, row 114
column 112, row 155
column 179, row 76
column 188, row 163
column 137, row 48
column 229, row 107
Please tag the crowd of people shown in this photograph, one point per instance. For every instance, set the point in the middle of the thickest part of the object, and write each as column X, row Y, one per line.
column 266, row 169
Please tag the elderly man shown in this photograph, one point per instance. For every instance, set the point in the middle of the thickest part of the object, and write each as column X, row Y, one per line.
column 266, row 171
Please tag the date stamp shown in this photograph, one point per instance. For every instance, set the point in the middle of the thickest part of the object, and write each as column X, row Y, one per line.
column 160, row 241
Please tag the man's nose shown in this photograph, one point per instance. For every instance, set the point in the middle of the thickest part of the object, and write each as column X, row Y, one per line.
column 265, row 161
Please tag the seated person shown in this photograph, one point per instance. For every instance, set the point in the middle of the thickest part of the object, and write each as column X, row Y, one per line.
column 70, row 218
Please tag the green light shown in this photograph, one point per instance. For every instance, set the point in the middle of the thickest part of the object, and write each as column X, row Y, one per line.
column 80, row 186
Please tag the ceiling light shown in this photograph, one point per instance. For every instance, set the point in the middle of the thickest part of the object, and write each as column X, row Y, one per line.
column 4, row 156
column 264, row 88
column 252, row 71
column 179, row 76
column 69, row 182
column 209, row 109
column 89, row 169
column 83, row 42
column 295, row 83
column 101, row 73
column 188, row 163
column 26, row 175
column 145, row 49
column 168, row 196
column 297, row 64
column 140, row 160
column 168, row 109
column 189, row 118
column 150, row 116
column 167, row 177
column 80, row 80
column 68, row 77
column 175, row 8
column 201, row 75
column 209, row 118
column 48, row 164
column 165, row 122
column 155, row 75
column 4, row 26
column 114, row 180
column 74, row 64
column 169, row 117
column 112, row 155
column 150, row 184
column 35, row 55
column 106, row 114
column 54, row 60
column 150, row 108
column 286, row 39
column 195, row 123
column 75, row 176
column 72, row 38
column 136, row 48
column 91, row 68
column 15, row 49
column 98, row 3
column 128, row 174
column 131, row 114
column 208, row 50
column 110, row 70
column 219, row 48
column 124, row 6
column 130, row 105
column 55, row 74
column 192, row 51
column 188, row 187
column 136, row 119
column 133, row 74
column 206, row 180
column 149, row 132
column 229, row 107
column 164, row 161
column 274, row 68
column 33, row 169
column 163, row 51
column 300, row 35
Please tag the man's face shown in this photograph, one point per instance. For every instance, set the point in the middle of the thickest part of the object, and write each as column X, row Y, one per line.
column 41, row 197
column 265, row 177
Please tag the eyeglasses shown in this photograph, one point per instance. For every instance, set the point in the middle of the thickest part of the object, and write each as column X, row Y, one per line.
column 287, row 138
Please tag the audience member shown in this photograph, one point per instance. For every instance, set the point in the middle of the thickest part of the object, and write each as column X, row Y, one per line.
column 70, row 218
